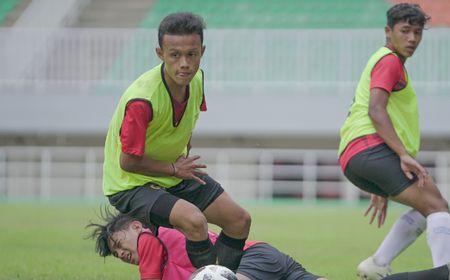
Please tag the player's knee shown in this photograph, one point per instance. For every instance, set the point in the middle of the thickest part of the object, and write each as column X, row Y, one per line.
column 445, row 205
column 243, row 221
column 439, row 205
column 195, row 225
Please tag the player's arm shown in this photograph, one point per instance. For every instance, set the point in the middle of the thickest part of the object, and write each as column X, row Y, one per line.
column 388, row 76
column 184, row 167
column 385, row 129
column 146, row 166
column 133, row 137
column 382, row 122
column 138, row 114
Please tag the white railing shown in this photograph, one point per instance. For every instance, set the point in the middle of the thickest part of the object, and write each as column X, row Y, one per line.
column 76, row 172
column 323, row 61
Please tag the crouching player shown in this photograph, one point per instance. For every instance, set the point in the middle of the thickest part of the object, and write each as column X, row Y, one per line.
column 163, row 255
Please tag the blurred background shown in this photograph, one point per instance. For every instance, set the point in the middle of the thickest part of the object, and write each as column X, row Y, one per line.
column 279, row 77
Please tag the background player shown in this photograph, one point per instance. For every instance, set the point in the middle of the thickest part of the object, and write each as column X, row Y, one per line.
column 381, row 137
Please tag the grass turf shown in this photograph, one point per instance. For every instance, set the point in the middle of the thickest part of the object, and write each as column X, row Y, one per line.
column 45, row 240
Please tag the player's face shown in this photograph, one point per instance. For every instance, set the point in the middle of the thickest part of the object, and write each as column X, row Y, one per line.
column 181, row 55
column 123, row 244
column 404, row 38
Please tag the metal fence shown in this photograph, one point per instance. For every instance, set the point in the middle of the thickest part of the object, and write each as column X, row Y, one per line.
column 76, row 172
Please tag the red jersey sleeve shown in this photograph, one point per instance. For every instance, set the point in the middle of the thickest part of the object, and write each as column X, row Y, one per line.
column 203, row 107
column 138, row 114
column 388, row 74
column 151, row 256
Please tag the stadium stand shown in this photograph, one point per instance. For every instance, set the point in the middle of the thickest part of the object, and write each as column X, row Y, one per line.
column 114, row 13
column 243, row 19
column 437, row 9
column 274, row 14
column 6, row 7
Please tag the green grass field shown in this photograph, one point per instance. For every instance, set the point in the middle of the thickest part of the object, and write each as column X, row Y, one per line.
column 46, row 240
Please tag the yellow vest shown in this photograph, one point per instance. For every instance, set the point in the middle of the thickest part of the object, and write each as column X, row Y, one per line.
column 165, row 141
column 401, row 107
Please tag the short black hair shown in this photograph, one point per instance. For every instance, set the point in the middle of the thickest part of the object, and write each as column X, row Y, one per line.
column 406, row 12
column 183, row 23
column 102, row 233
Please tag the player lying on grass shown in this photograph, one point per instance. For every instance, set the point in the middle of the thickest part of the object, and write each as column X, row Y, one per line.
column 163, row 255
column 438, row 273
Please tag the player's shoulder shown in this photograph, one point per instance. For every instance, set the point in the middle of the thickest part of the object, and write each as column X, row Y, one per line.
column 389, row 63
column 147, row 239
column 146, row 236
column 390, row 60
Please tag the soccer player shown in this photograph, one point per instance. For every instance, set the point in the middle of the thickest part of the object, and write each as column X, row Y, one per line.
column 379, row 142
column 148, row 172
column 438, row 273
column 163, row 256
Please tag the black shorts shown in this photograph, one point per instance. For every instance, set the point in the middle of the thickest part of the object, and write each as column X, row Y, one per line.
column 377, row 170
column 262, row 261
column 152, row 204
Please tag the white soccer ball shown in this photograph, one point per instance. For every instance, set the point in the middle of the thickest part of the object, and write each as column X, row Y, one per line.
column 213, row 272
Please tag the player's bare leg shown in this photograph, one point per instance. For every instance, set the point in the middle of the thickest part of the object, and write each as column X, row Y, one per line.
column 235, row 223
column 430, row 203
column 187, row 218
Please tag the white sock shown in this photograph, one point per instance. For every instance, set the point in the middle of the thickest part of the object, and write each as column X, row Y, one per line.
column 403, row 232
column 438, row 237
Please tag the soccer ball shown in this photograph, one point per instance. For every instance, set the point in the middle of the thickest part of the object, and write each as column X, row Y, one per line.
column 213, row 272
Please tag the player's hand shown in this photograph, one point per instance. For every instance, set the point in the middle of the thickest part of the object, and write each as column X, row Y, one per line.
column 410, row 167
column 378, row 206
column 186, row 168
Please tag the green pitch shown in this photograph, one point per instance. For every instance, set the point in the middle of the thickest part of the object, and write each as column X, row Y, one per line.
column 46, row 240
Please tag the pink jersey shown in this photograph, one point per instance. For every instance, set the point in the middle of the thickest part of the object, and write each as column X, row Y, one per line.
column 178, row 265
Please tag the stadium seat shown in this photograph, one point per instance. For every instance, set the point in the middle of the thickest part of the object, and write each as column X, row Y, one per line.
column 271, row 14
column 6, row 6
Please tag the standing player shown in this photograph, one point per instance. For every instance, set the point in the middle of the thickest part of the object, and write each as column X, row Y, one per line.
column 164, row 256
column 381, row 137
column 148, row 172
